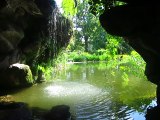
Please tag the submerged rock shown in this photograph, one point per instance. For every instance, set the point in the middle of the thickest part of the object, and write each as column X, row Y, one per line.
column 60, row 112
column 41, row 77
column 15, row 111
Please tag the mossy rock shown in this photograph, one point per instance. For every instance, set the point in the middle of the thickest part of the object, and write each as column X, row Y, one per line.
column 17, row 76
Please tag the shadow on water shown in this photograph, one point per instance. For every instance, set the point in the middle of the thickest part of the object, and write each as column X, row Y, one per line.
column 93, row 93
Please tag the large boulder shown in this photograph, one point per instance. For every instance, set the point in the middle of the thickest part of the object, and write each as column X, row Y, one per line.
column 17, row 76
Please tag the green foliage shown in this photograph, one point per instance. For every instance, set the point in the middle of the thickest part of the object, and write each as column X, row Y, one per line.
column 62, row 58
column 47, row 71
column 53, row 40
column 89, row 35
column 103, row 55
column 69, row 7
column 132, row 64
column 125, row 79
column 41, row 68
column 98, row 6
column 82, row 57
column 112, row 45
column 91, row 43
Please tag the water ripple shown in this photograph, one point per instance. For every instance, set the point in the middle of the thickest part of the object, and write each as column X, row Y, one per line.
column 102, row 107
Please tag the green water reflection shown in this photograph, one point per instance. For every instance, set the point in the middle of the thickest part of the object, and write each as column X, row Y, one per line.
column 94, row 93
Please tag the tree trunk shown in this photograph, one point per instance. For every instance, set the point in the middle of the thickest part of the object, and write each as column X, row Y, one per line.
column 86, row 43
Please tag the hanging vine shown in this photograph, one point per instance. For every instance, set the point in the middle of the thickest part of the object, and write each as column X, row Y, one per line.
column 60, row 32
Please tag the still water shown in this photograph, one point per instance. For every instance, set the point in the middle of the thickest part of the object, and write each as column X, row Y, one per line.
column 93, row 92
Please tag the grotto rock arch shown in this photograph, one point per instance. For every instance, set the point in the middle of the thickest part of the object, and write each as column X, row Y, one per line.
column 138, row 22
column 139, row 25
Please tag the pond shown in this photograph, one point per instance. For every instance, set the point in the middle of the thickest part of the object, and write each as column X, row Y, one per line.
column 93, row 92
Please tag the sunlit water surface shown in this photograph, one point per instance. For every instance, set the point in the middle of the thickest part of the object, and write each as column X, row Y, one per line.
column 93, row 93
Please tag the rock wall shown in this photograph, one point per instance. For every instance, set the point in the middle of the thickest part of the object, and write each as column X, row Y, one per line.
column 31, row 33
column 138, row 22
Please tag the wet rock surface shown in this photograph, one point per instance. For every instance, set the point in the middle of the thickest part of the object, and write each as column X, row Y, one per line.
column 14, row 111
column 21, row 111
column 60, row 112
